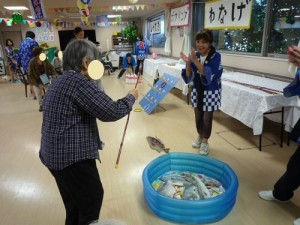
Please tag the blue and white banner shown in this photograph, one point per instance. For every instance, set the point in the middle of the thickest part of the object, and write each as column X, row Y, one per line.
column 37, row 9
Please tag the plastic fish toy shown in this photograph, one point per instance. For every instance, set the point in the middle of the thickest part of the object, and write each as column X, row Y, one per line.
column 202, row 189
column 157, row 144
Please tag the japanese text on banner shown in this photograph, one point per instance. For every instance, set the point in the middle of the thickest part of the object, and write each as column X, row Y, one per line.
column 228, row 14
column 180, row 16
column 155, row 27
column 38, row 8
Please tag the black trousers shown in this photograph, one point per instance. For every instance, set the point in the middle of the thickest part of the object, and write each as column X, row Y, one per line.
column 290, row 180
column 81, row 190
column 203, row 122
column 123, row 71
column 139, row 65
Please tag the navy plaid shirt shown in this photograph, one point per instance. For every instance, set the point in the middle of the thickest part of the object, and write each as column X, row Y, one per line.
column 70, row 109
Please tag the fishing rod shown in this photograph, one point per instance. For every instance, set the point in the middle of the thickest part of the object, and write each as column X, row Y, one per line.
column 122, row 141
column 264, row 89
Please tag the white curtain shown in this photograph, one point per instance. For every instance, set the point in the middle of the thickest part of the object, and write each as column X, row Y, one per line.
column 186, row 44
column 168, row 34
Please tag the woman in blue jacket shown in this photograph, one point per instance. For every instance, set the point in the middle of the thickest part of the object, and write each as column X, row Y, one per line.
column 204, row 68
column 129, row 63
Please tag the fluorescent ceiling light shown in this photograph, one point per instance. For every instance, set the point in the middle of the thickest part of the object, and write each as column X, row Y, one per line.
column 15, row 7
column 113, row 16
column 30, row 17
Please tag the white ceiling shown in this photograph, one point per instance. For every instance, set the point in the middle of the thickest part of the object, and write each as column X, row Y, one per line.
column 98, row 7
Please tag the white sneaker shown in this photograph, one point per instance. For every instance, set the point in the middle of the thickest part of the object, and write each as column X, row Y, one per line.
column 268, row 196
column 204, row 149
column 108, row 222
column 197, row 143
column 297, row 221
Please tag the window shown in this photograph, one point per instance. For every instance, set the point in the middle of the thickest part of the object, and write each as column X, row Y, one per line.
column 156, row 31
column 243, row 40
column 275, row 25
column 285, row 26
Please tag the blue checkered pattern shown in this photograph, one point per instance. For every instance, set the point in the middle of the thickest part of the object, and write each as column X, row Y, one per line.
column 70, row 109
column 211, row 100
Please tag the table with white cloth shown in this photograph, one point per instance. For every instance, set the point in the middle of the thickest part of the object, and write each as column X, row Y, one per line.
column 248, row 97
column 174, row 70
column 151, row 67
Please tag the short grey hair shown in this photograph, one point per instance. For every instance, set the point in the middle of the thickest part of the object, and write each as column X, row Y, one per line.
column 74, row 53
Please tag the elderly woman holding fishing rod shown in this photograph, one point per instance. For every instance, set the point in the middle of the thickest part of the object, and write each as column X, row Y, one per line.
column 70, row 138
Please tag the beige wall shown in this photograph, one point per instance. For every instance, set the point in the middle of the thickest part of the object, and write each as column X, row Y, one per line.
column 273, row 66
column 102, row 34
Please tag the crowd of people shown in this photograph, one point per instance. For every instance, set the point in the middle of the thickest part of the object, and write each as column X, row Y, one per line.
column 70, row 113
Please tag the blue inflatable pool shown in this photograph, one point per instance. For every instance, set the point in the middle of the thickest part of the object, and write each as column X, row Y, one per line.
column 189, row 211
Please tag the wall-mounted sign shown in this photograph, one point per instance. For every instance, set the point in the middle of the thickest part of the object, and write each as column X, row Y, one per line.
column 102, row 21
column 155, row 26
column 180, row 16
column 228, row 14
column 37, row 9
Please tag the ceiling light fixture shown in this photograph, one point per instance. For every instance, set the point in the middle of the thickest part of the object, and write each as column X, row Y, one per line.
column 15, row 8
column 113, row 16
column 133, row 1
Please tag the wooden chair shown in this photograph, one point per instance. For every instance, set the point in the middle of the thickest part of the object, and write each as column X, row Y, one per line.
column 23, row 78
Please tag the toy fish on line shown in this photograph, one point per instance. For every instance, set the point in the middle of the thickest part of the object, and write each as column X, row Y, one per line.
column 156, row 144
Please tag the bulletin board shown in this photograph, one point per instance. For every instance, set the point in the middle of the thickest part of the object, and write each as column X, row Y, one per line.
column 157, row 93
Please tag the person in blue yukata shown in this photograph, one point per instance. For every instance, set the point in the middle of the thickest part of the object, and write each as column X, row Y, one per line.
column 70, row 138
column 141, row 52
column 284, row 188
column 129, row 64
column 204, row 68
column 25, row 53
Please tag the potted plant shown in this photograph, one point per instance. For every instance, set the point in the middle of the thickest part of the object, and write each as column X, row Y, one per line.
column 130, row 32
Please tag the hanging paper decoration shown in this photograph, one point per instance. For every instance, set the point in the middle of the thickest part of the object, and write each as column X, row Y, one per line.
column 81, row 5
column 9, row 22
column 86, row 1
column 17, row 17
column 37, row 9
column 38, row 24
column 56, row 22
column 83, row 10
column 84, row 19
column 118, row 19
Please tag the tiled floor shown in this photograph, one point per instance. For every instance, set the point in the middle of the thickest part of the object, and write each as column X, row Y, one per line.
column 29, row 196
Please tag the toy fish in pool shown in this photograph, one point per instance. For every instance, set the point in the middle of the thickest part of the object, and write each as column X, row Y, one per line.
column 201, row 188
column 156, row 144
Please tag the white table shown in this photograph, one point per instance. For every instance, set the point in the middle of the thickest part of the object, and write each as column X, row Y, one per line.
column 151, row 67
column 248, row 104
